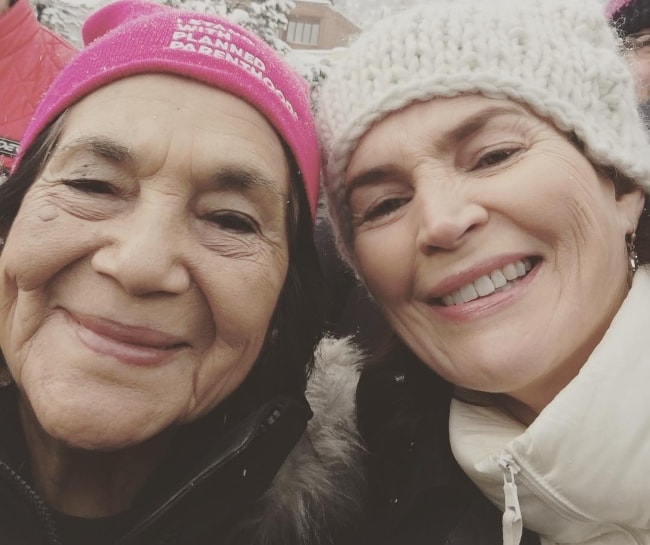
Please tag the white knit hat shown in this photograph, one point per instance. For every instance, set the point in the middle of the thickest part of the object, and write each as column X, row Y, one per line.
column 558, row 57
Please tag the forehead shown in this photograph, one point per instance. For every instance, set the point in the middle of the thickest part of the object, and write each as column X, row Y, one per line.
column 164, row 118
column 444, row 113
column 440, row 121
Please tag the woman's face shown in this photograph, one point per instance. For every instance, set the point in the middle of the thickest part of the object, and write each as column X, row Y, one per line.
column 639, row 61
column 140, row 275
column 492, row 245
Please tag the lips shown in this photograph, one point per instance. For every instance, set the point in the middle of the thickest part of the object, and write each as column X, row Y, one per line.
column 131, row 344
column 499, row 279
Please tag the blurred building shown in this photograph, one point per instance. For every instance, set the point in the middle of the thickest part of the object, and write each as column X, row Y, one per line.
column 316, row 24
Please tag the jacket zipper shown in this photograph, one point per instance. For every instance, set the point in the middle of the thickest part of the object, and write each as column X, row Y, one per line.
column 513, row 524
column 37, row 504
column 265, row 417
column 512, row 517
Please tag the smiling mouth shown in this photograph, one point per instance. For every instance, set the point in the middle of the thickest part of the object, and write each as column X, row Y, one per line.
column 131, row 344
column 498, row 280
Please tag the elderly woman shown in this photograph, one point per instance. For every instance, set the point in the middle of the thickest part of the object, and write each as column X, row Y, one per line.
column 159, row 300
column 486, row 174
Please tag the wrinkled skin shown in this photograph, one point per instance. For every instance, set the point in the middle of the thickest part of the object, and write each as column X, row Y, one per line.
column 141, row 272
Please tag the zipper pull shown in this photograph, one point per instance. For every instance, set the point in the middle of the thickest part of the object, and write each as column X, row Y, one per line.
column 513, row 525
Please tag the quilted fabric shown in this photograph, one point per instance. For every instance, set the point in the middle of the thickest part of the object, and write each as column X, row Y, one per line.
column 30, row 57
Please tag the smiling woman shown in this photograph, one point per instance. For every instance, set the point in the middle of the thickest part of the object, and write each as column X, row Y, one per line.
column 487, row 172
column 145, row 217
column 160, row 307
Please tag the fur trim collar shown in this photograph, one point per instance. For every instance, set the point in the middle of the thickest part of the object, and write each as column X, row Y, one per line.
column 316, row 496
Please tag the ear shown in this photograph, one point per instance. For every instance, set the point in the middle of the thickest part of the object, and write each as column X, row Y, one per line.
column 630, row 205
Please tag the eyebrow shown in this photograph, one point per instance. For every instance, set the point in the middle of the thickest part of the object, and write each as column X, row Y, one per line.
column 474, row 123
column 246, row 178
column 450, row 138
column 98, row 146
column 230, row 177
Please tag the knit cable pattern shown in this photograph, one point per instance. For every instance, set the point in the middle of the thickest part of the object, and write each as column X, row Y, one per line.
column 560, row 59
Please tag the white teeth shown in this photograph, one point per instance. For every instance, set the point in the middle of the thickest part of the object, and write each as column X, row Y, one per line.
column 485, row 285
column 498, row 279
column 510, row 271
column 469, row 293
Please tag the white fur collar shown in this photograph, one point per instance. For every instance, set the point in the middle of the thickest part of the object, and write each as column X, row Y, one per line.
column 316, row 495
column 585, row 461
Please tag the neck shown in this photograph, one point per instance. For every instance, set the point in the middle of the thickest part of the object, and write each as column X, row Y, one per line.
column 526, row 404
column 84, row 483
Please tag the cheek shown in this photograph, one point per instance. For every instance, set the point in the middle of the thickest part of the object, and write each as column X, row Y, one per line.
column 242, row 298
column 40, row 244
column 42, row 241
column 587, row 204
column 242, row 294
column 384, row 259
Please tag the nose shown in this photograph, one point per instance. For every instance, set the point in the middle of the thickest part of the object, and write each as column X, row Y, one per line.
column 144, row 253
column 445, row 217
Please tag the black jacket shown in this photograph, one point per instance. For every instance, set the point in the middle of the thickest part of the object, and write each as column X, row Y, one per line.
column 418, row 495
column 235, row 477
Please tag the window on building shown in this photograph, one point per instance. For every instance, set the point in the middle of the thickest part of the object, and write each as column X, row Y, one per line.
column 303, row 32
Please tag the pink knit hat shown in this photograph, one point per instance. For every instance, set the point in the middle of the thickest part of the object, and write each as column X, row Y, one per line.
column 131, row 37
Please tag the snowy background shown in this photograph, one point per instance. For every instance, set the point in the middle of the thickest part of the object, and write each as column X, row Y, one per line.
column 266, row 18
column 66, row 16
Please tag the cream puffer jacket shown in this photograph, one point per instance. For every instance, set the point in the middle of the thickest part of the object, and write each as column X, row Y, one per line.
column 580, row 473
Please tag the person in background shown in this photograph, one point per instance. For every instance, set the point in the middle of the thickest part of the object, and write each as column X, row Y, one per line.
column 487, row 172
column 631, row 18
column 30, row 57
column 160, row 301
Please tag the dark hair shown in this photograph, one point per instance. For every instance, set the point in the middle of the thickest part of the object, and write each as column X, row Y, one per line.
column 624, row 185
column 632, row 18
column 31, row 165
column 298, row 321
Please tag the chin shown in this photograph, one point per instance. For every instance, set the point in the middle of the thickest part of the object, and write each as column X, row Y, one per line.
column 89, row 427
column 93, row 438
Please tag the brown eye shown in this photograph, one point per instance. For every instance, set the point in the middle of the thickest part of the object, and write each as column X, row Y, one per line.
column 91, row 186
column 495, row 157
column 384, row 208
column 234, row 222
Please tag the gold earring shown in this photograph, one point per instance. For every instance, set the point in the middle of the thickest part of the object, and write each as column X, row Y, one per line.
column 632, row 257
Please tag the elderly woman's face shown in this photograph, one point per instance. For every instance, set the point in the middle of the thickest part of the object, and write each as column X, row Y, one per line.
column 142, row 271
column 495, row 249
